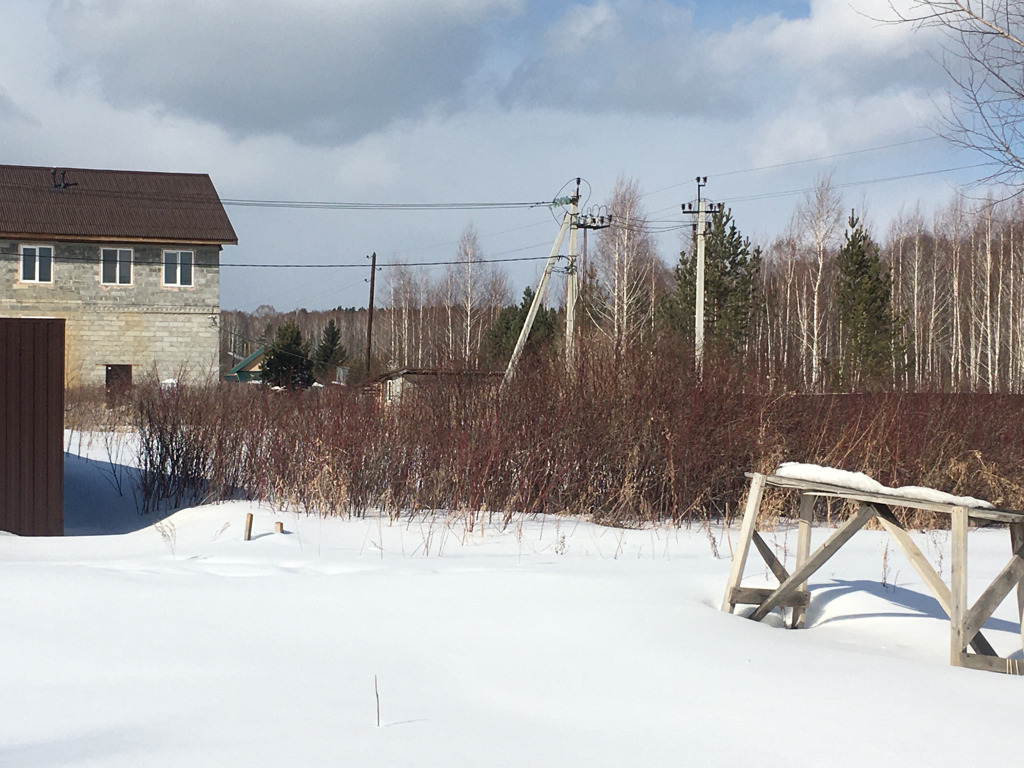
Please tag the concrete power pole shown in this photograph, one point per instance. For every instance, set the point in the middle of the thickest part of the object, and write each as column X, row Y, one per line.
column 698, row 337
column 571, row 222
column 700, row 231
column 572, row 284
column 538, row 298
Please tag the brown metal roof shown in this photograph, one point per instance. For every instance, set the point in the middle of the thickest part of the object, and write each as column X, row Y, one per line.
column 84, row 204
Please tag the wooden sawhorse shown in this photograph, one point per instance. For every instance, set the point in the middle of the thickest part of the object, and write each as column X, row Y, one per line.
column 965, row 620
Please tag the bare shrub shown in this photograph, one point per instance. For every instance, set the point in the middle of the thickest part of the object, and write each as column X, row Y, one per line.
column 625, row 439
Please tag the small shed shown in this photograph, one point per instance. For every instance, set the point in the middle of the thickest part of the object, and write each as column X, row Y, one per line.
column 32, row 426
column 395, row 385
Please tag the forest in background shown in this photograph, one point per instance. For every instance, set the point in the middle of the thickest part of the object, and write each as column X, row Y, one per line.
column 932, row 304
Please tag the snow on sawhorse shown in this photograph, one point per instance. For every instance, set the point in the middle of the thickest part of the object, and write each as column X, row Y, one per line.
column 876, row 501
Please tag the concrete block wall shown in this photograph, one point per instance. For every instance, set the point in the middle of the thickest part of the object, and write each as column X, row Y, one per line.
column 161, row 331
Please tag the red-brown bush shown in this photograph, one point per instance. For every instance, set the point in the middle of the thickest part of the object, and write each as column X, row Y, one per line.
column 623, row 440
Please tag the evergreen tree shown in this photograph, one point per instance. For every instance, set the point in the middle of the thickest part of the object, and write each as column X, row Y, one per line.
column 731, row 268
column 501, row 336
column 287, row 363
column 330, row 351
column 870, row 330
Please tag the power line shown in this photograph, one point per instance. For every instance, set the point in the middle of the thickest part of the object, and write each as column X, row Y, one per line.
column 862, row 183
column 192, row 199
column 95, row 259
column 393, row 264
column 348, row 206
column 827, row 157
column 803, row 161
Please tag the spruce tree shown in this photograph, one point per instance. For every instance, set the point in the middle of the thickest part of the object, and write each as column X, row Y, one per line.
column 501, row 336
column 287, row 363
column 731, row 268
column 870, row 330
column 330, row 351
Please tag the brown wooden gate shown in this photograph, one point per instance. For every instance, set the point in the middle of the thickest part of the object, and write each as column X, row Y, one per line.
column 32, row 426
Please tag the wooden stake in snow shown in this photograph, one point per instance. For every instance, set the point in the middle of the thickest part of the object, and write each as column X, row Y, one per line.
column 278, row 527
column 377, row 694
column 248, row 526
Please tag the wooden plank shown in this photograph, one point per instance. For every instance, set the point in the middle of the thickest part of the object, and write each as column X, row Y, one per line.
column 913, row 554
column 924, row 569
column 757, row 595
column 776, row 567
column 803, row 550
column 821, row 556
column 853, row 494
column 991, row 664
column 993, row 595
column 739, row 559
column 1016, row 543
column 958, row 586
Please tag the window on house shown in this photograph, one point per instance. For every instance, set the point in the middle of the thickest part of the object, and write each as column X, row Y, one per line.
column 36, row 264
column 116, row 266
column 178, row 267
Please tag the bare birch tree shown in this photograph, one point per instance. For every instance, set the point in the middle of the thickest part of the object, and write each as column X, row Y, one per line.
column 621, row 267
column 985, row 63
column 819, row 223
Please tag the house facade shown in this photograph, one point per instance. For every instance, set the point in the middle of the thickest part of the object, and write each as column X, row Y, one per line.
column 130, row 260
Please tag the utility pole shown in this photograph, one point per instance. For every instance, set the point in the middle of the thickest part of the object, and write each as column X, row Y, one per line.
column 585, row 222
column 698, row 337
column 369, row 321
column 571, row 221
column 699, row 230
column 538, row 298
column 572, row 285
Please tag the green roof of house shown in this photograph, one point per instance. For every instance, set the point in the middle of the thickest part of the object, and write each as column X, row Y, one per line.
column 249, row 369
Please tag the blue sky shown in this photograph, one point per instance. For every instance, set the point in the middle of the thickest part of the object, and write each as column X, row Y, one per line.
column 475, row 100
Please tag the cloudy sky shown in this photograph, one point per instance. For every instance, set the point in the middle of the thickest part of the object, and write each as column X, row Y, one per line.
column 410, row 101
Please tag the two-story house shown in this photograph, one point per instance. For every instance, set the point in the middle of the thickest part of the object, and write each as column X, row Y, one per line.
column 131, row 261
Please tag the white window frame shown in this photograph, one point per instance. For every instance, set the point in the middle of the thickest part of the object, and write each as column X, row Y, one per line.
column 173, row 258
column 118, row 264
column 24, row 250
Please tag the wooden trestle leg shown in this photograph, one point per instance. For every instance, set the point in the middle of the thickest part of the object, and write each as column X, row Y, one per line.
column 739, row 558
column 803, row 550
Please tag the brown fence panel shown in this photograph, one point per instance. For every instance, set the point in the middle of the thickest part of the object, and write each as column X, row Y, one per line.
column 32, row 420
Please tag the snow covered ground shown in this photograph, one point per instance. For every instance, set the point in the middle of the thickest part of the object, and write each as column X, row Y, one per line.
column 550, row 642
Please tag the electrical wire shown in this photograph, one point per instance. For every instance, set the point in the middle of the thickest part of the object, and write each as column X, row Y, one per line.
column 95, row 259
column 347, row 206
column 862, row 183
column 803, row 161
column 199, row 199
column 393, row 264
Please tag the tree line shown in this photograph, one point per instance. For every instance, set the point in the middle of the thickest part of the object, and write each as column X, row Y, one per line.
column 933, row 304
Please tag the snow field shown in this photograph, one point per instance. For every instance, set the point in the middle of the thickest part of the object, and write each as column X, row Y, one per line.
column 550, row 642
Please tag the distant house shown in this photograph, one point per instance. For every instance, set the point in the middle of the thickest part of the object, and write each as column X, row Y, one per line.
column 131, row 260
column 249, row 369
column 392, row 387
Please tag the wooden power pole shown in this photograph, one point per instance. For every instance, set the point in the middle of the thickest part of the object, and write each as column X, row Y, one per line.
column 369, row 320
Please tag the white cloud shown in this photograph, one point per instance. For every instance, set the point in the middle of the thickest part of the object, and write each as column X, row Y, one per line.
column 647, row 56
column 513, row 102
column 320, row 71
